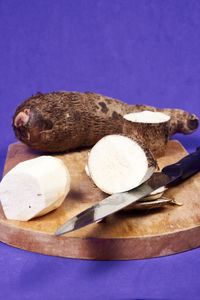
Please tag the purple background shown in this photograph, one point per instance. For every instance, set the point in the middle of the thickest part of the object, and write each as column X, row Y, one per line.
column 137, row 51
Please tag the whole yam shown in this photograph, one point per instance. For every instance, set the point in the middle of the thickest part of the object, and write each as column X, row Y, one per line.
column 62, row 121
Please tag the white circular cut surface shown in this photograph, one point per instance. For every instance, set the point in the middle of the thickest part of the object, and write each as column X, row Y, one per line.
column 147, row 116
column 118, row 164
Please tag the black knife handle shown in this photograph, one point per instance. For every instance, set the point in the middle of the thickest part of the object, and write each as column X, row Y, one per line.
column 185, row 167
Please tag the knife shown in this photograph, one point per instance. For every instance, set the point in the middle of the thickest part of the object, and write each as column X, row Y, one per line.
column 179, row 171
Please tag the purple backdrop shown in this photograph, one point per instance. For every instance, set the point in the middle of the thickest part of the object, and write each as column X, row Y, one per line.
column 137, row 51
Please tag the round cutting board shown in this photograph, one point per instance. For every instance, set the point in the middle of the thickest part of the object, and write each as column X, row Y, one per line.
column 123, row 235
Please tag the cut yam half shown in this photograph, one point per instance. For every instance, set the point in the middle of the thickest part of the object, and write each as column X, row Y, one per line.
column 34, row 188
column 118, row 163
column 151, row 128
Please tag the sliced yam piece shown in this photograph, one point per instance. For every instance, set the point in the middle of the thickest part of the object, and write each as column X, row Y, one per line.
column 34, row 188
column 152, row 128
column 143, row 205
column 155, row 194
column 118, row 163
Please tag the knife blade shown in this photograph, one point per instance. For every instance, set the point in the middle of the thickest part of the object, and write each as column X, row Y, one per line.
column 181, row 170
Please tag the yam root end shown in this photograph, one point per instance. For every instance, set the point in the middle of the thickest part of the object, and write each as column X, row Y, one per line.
column 192, row 123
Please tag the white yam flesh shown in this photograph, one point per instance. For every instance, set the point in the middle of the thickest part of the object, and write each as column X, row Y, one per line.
column 147, row 117
column 117, row 164
column 34, row 188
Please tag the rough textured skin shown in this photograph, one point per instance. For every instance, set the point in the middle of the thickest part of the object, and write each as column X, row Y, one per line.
column 61, row 121
column 144, row 131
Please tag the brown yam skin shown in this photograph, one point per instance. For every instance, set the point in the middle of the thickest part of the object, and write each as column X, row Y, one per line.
column 62, row 121
column 153, row 135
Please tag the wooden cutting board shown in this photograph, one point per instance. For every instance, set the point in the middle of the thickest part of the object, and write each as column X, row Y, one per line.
column 124, row 235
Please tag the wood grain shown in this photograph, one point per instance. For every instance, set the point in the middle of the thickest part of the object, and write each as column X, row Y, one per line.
column 124, row 235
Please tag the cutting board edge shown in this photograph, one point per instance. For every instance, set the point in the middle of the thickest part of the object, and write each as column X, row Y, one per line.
column 93, row 248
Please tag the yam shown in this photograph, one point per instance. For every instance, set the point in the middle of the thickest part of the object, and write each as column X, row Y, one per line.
column 62, row 121
column 118, row 164
column 152, row 128
column 34, row 188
